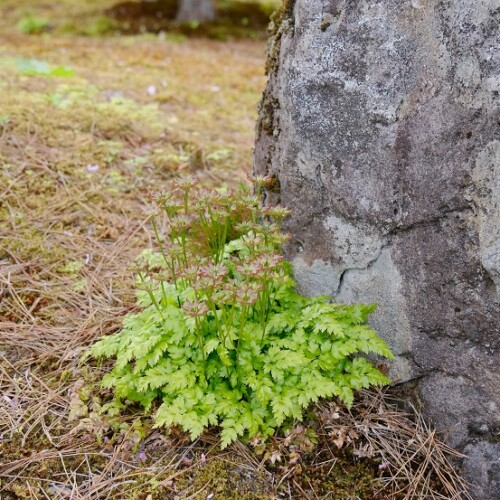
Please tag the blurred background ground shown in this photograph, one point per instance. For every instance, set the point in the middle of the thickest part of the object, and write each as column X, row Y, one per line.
column 234, row 18
column 102, row 105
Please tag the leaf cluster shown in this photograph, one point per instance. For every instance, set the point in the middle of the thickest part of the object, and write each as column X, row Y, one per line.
column 223, row 339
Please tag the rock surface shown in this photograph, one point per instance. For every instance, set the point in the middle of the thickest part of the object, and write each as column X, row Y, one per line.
column 381, row 121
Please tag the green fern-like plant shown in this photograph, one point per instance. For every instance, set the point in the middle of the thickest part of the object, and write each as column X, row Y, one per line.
column 222, row 338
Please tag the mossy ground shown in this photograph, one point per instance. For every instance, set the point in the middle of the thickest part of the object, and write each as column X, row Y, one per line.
column 90, row 127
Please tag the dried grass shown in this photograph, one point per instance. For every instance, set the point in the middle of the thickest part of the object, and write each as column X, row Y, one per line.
column 413, row 458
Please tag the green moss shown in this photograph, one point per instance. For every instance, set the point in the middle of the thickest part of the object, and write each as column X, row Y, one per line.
column 268, row 107
column 31, row 25
column 229, row 478
column 346, row 477
column 101, row 26
column 281, row 23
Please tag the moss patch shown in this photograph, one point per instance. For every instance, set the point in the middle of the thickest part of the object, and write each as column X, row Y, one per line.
column 227, row 477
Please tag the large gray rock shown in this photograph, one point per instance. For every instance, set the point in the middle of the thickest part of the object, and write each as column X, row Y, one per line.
column 381, row 123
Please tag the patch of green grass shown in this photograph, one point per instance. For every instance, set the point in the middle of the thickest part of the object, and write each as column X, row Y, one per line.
column 31, row 25
column 33, row 67
column 101, row 26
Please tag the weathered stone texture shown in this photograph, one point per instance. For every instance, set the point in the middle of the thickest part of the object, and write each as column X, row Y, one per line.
column 381, row 121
